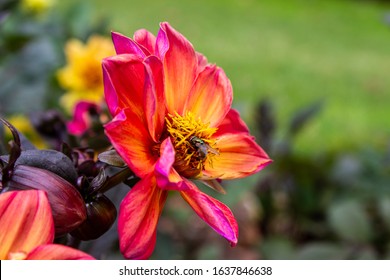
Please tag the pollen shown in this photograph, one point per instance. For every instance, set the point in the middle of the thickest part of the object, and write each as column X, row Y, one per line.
column 193, row 143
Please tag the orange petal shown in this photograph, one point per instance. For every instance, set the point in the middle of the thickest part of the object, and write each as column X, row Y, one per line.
column 232, row 123
column 180, row 66
column 138, row 217
column 154, row 101
column 124, row 77
column 25, row 221
column 57, row 252
column 211, row 96
column 130, row 137
column 239, row 157
column 216, row 214
column 145, row 39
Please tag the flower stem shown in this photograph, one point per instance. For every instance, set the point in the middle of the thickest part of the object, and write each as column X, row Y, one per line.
column 73, row 242
column 111, row 181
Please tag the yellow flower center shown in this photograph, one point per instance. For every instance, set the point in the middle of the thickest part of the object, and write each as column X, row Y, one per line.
column 193, row 144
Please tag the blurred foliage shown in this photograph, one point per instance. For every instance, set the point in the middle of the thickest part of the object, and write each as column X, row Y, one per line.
column 323, row 205
column 306, row 206
column 32, row 49
column 293, row 52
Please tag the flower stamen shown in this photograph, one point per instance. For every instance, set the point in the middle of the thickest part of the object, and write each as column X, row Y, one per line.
column 192, row 141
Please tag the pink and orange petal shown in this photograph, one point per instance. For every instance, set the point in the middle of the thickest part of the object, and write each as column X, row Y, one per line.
column 180, row 66
column 211, row 96
column 139, row 157
column 57, row 252
column 166, row 176
column 122, row 74
column 28, row 228
column 25, row 221
column 216, row 214
column 138, row 216
column 239, row 157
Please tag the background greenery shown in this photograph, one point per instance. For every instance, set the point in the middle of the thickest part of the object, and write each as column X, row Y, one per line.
column 293, row 52
column 311, row 80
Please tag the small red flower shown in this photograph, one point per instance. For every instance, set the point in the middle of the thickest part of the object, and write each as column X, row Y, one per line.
column 173, row 122
column 82, row 115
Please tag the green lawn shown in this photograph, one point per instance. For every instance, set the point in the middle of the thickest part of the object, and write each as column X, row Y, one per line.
column 294, row 52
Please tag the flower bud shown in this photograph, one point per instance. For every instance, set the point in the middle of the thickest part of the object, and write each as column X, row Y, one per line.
column 67, row 205
column 101, row 214
column 50, row 160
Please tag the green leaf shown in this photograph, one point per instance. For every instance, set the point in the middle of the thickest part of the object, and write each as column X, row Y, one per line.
column 349, row 221
column 300, row 119
column 79, row 17
column 208, row 252
column 277, row 249
column 322, row 251
column 366, row 253
column 111, row 157
column 384, row 210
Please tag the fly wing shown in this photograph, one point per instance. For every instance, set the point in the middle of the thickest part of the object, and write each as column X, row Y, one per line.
column 212, row 150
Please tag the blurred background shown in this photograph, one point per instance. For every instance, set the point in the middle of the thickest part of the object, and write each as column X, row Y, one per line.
column 310, row 78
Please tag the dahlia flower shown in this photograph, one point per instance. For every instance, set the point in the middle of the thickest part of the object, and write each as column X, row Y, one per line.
column 172, row 124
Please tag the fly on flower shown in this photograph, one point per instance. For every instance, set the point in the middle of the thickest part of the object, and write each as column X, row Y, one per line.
column 201, row 147
column 173, row 123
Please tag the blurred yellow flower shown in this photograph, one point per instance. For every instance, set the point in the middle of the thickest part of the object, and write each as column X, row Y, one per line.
column 36, row 6
column 82, row 76
column 24, row 126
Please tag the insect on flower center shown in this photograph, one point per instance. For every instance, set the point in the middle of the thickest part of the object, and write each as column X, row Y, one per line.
column 193, row 143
